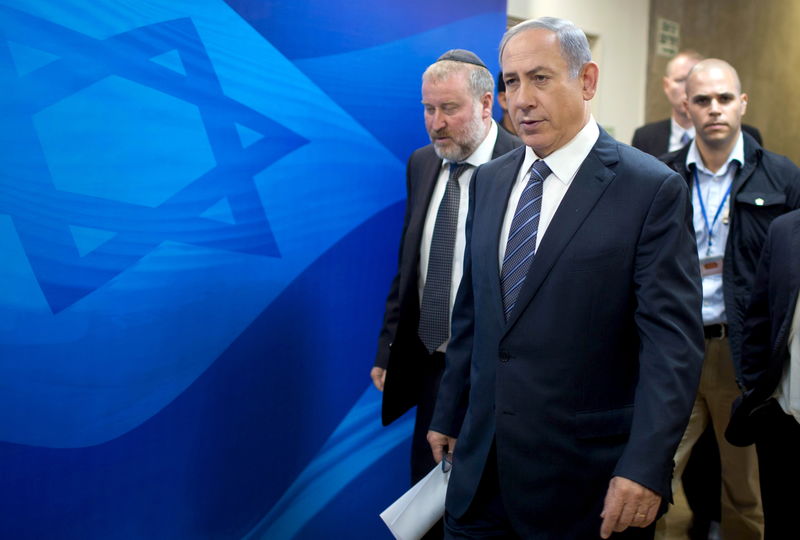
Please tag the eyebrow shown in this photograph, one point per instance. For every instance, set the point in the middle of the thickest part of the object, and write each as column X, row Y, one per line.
column 536, row 70
column 709, row 96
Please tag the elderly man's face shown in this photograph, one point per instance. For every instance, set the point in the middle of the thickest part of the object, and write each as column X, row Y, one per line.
column 715, row 105
column 548, row 106
column 456, row 122
column 675, row 81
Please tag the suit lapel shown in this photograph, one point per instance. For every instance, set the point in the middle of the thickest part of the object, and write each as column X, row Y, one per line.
column 427, row 181
column 586, row 188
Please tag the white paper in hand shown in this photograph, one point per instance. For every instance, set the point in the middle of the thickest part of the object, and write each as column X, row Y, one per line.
column 413, row 514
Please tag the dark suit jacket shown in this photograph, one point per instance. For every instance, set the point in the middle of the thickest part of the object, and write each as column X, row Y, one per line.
column 767, row 186
column 767, row 324
column 399, row 349
column 595, row 372
column 653, row 138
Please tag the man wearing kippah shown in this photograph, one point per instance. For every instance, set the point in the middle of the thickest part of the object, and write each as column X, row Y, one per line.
column 457, row 98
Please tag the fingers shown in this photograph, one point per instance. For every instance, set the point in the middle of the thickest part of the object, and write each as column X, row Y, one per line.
column 451, row 444
column 440, row 444
column 612, row 509
column 627, row 504
column 378, row 376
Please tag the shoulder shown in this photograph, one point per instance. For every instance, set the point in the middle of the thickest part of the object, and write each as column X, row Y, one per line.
column 775, row 162
column 505, row 142
column 424, row 154
column 653, row 127
column 631, row 161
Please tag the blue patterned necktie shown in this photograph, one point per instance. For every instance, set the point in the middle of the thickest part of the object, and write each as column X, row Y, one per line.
column 685, row 138
column 434, row 313
column 521, row 244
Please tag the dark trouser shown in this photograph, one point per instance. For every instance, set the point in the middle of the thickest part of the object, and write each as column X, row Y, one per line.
column 487, row 519
column 421, row 455
column 778, row 448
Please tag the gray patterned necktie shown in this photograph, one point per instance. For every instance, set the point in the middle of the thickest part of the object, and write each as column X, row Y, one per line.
column 434, row 312
column 521, row 244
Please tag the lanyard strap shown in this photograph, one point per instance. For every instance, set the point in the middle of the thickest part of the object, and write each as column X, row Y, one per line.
column 710, row 227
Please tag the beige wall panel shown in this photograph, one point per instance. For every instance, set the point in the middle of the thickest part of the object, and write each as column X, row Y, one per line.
column 760, row 39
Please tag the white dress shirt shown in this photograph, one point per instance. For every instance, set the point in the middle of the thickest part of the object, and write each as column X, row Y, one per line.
column 481, row 155
column 788, row 392
column 676, row 135
column 564, row 164
column 713, row 187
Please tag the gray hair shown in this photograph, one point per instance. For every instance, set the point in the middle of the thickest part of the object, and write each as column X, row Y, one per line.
column 574, row 45
column 479, row 80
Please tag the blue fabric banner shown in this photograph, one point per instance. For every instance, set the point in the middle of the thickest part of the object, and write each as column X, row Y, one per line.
column 200, row 205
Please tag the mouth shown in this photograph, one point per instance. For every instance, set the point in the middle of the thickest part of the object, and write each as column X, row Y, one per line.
column 529, row 124
column 716, row 125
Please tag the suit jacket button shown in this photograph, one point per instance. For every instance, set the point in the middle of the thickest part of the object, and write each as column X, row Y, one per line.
column 505, row 356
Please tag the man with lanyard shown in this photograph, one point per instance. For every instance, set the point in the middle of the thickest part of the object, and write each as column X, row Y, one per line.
column 738, row 188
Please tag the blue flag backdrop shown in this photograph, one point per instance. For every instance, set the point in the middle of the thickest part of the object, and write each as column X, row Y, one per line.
column 200, row 205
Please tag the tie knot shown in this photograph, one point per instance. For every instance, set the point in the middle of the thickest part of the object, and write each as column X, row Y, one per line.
column 540, row 169
column 685, row 138
column 457, row 169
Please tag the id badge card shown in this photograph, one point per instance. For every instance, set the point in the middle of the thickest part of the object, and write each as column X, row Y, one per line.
column 711, row 266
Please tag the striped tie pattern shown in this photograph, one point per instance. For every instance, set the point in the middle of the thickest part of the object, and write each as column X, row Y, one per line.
column 434, row 313
column 521, row 244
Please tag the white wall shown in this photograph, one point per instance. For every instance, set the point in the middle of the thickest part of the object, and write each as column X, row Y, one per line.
column 621, row 27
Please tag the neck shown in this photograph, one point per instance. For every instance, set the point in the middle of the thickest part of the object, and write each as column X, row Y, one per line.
column 683, row 120
column 714, row 157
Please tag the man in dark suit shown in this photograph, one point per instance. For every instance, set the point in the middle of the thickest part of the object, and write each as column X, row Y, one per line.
column 658, row 138
column 738, row 188
column 577, row 359
column 457, row 95
column 768, row 412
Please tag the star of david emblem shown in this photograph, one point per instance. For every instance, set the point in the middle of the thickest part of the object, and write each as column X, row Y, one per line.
column 79, row 235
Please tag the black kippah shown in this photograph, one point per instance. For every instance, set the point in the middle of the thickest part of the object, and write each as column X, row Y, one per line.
column 462, row 55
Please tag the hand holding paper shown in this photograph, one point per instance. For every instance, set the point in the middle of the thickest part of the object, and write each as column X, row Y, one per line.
column 413, row 514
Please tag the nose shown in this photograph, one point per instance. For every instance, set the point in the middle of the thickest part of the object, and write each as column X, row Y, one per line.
column 715, row 107
column 437, row 119
column 525, row 96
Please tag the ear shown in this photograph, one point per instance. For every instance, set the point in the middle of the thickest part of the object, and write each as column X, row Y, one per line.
column 486, row 105
column 589, row 75
column 665, row 84
column 502, row 101
column 743, row 97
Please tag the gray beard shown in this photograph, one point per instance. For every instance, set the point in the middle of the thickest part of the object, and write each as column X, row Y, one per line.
column 465, row 148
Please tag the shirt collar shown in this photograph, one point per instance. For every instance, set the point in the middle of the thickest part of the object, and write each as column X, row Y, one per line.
column 737, row 154
column 678, row 130
column 565, row 162
column 483, row 153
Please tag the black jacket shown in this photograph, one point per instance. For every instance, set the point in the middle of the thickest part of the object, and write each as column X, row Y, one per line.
column 767, row 186
column 765, row 348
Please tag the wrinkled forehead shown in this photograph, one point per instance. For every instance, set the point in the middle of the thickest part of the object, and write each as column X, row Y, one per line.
column 532, row 48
